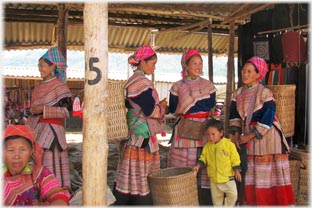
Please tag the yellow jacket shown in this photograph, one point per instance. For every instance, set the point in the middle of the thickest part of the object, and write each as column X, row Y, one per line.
column 221, row 160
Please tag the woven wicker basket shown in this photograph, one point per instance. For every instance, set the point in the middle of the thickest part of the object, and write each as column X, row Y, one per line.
column 285, row 106
column 303, row 192
column 117, row 123
column 301, row 155
column 294, row 166
column 174, row 186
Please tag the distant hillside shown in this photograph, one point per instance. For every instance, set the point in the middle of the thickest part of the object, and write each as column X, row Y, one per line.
column 117, row 62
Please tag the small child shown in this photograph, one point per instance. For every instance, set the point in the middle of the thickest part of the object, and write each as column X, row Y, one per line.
column 223, row 164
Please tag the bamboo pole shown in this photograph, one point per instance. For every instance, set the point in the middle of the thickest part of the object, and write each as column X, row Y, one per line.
column 230, row 79
column 95, row 142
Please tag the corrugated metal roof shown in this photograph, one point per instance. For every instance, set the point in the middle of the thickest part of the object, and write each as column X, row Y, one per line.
column 38, row 35
column 180, row 25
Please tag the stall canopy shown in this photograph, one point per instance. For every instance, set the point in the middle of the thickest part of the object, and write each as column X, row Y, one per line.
column 169, row 27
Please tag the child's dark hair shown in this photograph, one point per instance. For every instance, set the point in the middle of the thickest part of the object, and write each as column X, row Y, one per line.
column 214, row 123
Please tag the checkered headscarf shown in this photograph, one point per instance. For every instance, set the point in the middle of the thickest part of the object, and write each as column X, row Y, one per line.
column 56, row 57
column 261, row 65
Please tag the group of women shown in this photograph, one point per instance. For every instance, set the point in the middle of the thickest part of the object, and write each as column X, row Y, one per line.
column 253, row 125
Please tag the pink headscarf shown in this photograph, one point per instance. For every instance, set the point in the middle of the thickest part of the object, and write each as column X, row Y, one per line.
column 261, row 65
column 185, row 57
column 141, row 53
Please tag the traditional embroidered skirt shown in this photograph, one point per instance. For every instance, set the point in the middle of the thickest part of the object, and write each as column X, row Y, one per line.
column 268, row 181
column 133, row 167
column 58, row 162
column 187, row 157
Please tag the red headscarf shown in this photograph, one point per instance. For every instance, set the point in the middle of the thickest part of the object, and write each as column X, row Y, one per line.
column 28, row 133
column 141, row 53
column 185, row 57
column 261, row 65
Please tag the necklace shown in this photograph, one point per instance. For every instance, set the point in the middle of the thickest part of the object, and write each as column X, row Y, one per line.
column 199, row 86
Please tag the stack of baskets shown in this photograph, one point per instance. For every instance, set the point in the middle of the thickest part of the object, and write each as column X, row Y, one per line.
column 285, row 106
column 117, row 123
column 299, row 173
column 174, row 186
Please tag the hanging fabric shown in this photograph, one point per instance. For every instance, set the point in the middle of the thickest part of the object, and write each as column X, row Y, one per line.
column 76, row 107
column 276, row 75
column 294, row 48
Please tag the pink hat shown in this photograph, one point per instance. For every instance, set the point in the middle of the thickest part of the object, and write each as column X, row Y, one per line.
column 141, row 53
column 261, row 66
column 185, row 57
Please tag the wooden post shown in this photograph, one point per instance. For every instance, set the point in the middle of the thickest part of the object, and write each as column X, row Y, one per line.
column 62, row 29
column 95, row 142
column 230, row 79
column 210, row 52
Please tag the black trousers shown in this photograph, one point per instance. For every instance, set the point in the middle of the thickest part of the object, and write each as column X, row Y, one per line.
column 127, row 199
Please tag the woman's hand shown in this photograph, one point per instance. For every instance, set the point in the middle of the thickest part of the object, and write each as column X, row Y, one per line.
column 163, row 103
column 245, row 138
column 196, row 168
column 235, row 139
column 37, row 109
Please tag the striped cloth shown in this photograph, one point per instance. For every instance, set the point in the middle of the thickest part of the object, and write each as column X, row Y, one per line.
column 271, row 183
column 133, row 168
column 37, row 185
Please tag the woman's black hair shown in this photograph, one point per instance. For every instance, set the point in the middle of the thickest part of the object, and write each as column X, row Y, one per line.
column 188, row 61
column 254, row 66
column 47, row 61
column 214, row 123
column 17, row 137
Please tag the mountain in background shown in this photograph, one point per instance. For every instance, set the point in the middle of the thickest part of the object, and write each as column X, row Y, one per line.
column 117, row 61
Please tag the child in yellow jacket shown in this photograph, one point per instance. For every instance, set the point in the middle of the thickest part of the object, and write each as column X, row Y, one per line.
column 223, row 164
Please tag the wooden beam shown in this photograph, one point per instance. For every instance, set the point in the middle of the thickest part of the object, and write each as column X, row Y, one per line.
column 230, row 79
column 155, row 11
column 210, row 51
column 239, row 9
column 246, row 14
column 284, row 29
column 185, row 27
column 61, row 29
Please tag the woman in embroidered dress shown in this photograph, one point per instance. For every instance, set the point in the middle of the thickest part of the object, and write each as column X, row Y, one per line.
column 50, row 104
column 25, row 180
column 140, row 153
column 256, row 128
column 193, row 98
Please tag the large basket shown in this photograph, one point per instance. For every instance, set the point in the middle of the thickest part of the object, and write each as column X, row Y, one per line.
column 285, row 106
column 117, row 123
column 174, row 186
column 294, row 166
column 303, row 192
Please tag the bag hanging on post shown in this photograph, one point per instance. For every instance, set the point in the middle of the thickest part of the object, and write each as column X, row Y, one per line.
column 190, row 129
column 294, row 47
